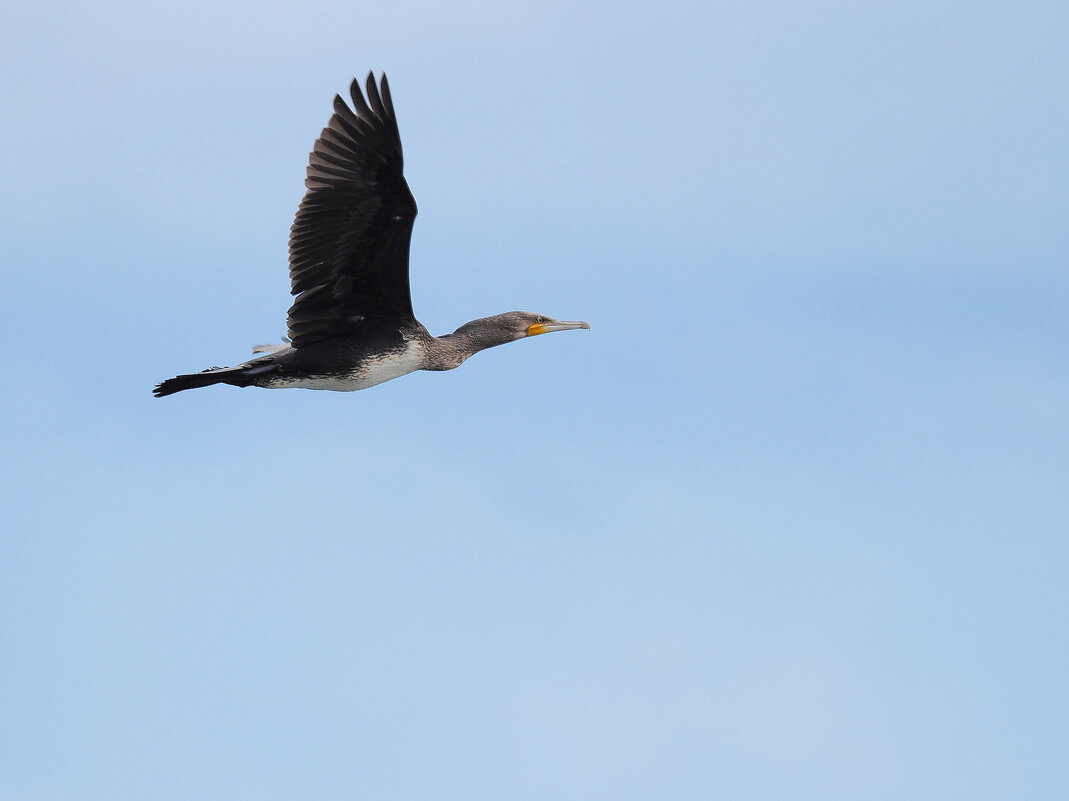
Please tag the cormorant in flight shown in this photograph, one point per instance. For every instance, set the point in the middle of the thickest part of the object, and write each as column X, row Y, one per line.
column 351, row 324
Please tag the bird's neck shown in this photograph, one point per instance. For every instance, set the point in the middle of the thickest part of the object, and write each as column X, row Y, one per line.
column 452, row 350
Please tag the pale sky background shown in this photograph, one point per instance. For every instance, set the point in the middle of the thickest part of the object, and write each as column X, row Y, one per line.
column 788, row 523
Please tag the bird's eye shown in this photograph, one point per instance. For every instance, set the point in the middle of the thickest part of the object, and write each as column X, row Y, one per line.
column 541, row 319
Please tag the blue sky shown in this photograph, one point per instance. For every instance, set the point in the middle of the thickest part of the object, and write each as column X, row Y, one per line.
column 788, row 522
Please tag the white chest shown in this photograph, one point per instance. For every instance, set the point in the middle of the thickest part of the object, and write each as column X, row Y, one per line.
column 372, row 372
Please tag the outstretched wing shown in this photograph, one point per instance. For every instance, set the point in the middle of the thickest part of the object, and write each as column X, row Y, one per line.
column 349, row 241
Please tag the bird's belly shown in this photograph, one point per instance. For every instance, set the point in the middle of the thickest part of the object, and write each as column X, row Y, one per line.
column 370, row 372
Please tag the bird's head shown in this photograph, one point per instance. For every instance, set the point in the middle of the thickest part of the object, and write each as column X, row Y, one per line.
column 508, row 327
column 519, row 324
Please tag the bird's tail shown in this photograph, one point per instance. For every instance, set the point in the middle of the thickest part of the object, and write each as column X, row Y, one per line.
column 235, row 376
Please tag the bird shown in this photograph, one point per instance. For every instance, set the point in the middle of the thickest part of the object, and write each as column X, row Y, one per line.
column 351, row 323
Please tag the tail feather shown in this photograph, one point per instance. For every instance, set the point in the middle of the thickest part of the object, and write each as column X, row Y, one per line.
column 235, row 376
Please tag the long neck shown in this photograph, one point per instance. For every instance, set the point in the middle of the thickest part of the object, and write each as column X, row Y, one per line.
column 451, row 350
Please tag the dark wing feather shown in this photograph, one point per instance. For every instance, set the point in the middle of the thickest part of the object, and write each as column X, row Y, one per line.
column 349, row 241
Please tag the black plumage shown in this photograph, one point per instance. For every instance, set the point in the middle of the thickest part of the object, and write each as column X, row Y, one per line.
column 349, row 242
column 351, row 324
